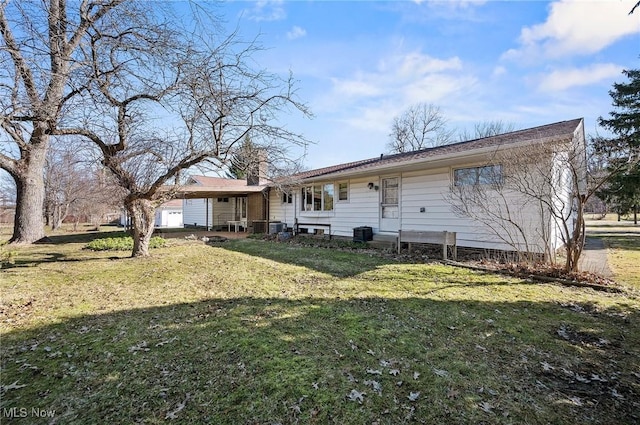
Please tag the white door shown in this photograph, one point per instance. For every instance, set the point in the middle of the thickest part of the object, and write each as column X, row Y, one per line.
column 241, row 208
column 389, row 208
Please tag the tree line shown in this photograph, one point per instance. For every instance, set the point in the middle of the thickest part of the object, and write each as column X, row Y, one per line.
column 107, row 76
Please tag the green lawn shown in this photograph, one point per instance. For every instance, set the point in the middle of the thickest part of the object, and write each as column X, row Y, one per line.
column 622, row 240
column 250, row 331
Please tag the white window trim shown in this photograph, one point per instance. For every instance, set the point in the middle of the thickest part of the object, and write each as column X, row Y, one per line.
column 475, row 167
column 336, row 186
column 322, row 212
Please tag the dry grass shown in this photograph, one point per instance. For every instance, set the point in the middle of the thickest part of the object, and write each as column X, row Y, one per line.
column 261, row 332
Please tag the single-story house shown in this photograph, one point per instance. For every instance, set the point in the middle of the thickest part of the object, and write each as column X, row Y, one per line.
column 411, row 191
column 407, row 191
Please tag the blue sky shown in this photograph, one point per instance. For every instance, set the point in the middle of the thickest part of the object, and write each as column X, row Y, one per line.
column 361, row 63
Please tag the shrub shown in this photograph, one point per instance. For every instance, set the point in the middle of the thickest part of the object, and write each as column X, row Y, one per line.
column 7, row 257
column 123, row 243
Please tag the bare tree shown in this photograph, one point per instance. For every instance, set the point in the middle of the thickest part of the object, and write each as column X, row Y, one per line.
column 420, row 126
column 64, row 184
column 75, row 184
column 208, row 91
column 7, row 198
column 544, row 187
column 41, row 71
column 487, row 199
column 487, row 129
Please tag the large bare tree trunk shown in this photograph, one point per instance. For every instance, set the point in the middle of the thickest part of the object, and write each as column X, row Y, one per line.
column 28, row 225
column 142, row 213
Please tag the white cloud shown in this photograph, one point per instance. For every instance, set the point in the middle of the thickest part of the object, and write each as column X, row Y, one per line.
column 363, row 86
column 419, row 64
column 296, row 32
column 267, row 10
column 499, row 71
column 563, row 79
column 576, row 28
column 370, row 100
column 453, row 3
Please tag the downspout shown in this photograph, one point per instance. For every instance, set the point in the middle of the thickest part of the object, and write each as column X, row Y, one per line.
column 268, row 201
column 400, row 202
column 206, row 213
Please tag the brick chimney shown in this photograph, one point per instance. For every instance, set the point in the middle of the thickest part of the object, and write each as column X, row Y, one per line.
column 257, row 169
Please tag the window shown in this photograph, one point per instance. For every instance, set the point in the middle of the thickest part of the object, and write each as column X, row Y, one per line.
column 343, row 191
column 318, row 197
column 327, row 197
column 489, row 174
column 390, row 191
column 223, row 199
column 287, row 198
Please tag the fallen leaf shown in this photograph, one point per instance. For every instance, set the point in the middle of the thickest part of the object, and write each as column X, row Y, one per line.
column 562, row 332
column 173, row 414
column 576, row 400
column 356, row 395
column 582, row 379
column 616, row 394
column 168, row 341
column 374, row 372
column 394, row 372
column 375, row 385
column 139, row 347
column 486, row 407
column 416, row 375
column 13, row 386
column 441, row 372
column 413, row 396
column 546, row 366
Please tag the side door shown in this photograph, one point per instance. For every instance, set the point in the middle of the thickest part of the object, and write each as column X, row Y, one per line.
column 389, row 204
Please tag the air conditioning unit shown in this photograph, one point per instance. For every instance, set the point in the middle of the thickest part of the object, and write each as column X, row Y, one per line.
column 277, row 228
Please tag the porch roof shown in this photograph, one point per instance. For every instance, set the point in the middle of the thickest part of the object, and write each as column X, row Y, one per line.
column 217, row 187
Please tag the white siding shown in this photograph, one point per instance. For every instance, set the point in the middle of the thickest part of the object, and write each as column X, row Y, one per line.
column 280, row 211
column 360, row 209
column 428, row 190
column 194, row 212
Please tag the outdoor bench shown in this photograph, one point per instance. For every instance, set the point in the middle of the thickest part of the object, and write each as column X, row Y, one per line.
column 440, row 238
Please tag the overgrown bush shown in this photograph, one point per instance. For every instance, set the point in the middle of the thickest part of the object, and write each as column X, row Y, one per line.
column 123, row 243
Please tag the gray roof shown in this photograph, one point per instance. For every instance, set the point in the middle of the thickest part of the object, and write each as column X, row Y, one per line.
column 557, row 131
